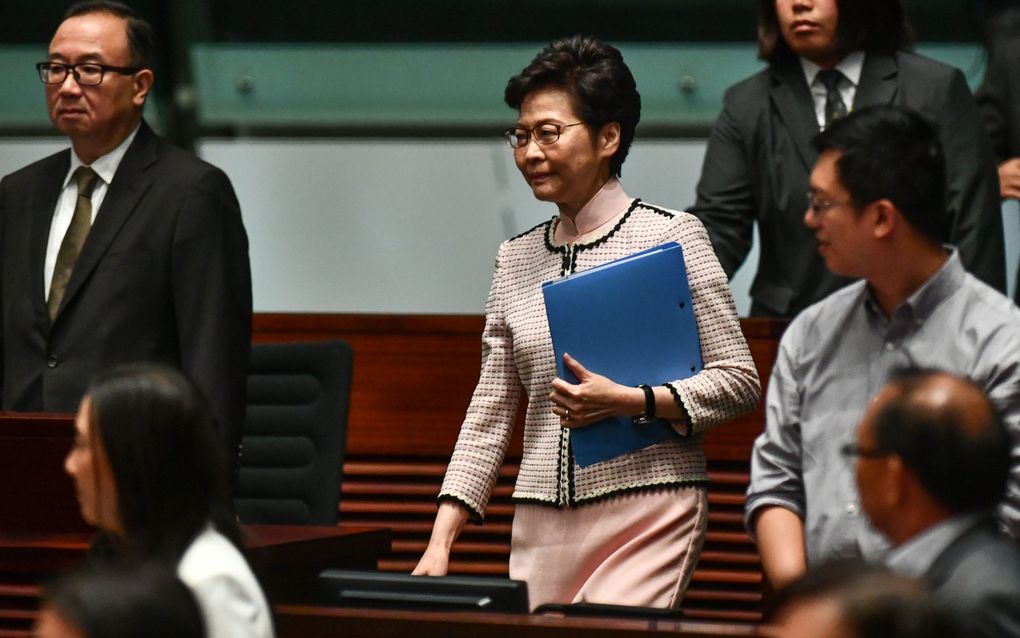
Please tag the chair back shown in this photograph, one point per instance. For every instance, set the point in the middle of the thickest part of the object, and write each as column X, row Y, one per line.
column 295, row 433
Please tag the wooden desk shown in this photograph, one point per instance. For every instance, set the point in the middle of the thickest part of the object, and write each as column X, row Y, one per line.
column 287, row 559
column 36, row 495
column 294, row 621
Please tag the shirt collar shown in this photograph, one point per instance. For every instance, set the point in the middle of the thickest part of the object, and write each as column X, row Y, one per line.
column 602, row 208
column 940, row 286
column 915, row 557
column 850, row 66
column 105, row 166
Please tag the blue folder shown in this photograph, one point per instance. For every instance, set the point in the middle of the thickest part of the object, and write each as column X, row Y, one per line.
column 630, row 320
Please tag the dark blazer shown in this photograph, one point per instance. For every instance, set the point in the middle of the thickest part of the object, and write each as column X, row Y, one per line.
column 998, row 97
column 163, row 277
column 760, row 157
column 978, row 576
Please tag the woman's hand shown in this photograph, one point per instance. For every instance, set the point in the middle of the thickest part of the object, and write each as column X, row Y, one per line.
column 434, row 562
column 595, row 397
column 450, row 519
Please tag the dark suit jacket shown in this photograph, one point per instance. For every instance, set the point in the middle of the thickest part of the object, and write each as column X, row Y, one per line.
column 999, row 100
column 760, row 157
column 978, row 576
column 163, row 277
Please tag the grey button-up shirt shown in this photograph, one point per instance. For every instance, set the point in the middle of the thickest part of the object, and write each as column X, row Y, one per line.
column 832, row 360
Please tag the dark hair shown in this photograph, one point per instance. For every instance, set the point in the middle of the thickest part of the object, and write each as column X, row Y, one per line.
column 141, row 41
column 166, row 456
column 595, row 76
column 872, row 600
column 868, row 25
column 959, row 449
column 894, row 153
column 125, row 601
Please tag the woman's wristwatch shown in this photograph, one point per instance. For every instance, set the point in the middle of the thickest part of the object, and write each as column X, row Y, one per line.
column 649, row 413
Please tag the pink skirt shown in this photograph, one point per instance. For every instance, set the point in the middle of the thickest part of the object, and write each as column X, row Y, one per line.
column 632, row 549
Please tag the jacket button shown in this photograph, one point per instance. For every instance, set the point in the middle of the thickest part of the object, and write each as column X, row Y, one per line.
column 51, row 362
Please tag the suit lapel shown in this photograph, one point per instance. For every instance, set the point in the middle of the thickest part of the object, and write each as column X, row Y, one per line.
column 130, row 183
column 794, row 106
column 40, row 210
column 878, row 82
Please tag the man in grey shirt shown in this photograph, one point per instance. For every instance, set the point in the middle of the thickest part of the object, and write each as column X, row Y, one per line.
column 875, row 207
column 939, row 520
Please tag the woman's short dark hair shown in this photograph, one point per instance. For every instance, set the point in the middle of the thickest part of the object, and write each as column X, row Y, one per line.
column 867, row 25
column 166, row 456
column 594, row 75
column 125, row 601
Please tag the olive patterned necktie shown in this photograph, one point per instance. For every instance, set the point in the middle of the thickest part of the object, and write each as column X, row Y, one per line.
column 74, row 239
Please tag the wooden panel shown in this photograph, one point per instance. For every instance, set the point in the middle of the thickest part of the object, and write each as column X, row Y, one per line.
column 35, row 493
column 413, row 377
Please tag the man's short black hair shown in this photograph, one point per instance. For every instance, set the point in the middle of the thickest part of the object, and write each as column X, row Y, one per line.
column 959, row 454
column 865, row 25
column 141, row 41
column 601, row 86
column 894, row 153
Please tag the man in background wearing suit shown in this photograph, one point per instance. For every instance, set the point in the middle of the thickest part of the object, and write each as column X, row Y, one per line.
column 123, row 248
column 932, row 461
column 827, row 58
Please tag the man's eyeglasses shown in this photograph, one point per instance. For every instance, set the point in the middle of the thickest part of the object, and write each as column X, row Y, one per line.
column 544, row 134
column 852, row 450
column 85, row 73
column 820, row 206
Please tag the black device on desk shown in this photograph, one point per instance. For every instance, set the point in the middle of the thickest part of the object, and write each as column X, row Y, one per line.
column 351, row 588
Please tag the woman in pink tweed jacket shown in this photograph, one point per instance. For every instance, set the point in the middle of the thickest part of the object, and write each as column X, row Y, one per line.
column 628, row 530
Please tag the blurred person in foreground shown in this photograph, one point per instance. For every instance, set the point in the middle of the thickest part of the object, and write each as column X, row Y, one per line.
column 150, row 473
column 851, row 599
column 119, row 601
column 932, row 462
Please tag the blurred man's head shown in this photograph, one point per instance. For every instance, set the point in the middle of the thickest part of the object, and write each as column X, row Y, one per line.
column 850, row 599
column 930, row 446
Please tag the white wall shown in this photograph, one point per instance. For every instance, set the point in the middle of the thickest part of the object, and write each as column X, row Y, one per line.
column 401, row 225
column 407, row 226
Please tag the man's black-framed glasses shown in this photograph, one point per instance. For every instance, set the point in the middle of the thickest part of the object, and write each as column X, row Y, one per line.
column 852, row 450
column 85, row 73
column 544, row 134
column 820, row 205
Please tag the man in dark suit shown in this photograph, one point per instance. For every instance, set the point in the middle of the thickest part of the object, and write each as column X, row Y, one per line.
column 932, row 461
column 123, row 248
column 828, row 57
